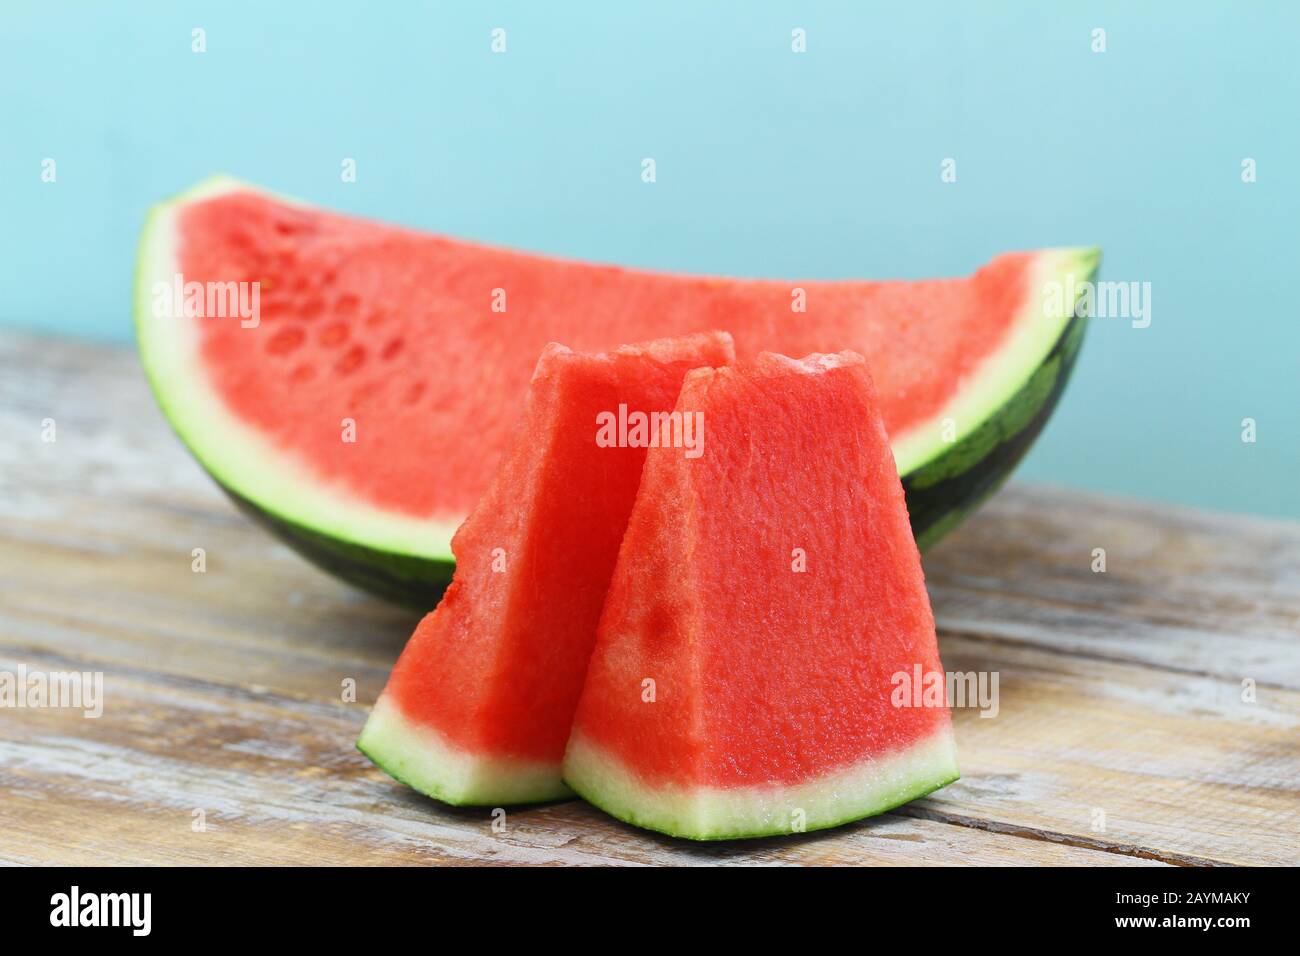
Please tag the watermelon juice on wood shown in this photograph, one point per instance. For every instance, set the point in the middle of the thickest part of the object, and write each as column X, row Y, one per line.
column 765, row 596
column 425, row 345
column 478, row 707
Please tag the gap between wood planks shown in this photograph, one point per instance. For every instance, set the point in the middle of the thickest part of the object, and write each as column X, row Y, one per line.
column 1050, row 836
column 975, row 634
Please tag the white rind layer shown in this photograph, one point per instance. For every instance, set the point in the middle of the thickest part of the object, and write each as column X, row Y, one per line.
column 235, row 454
column 714, row 813
column 420, row 757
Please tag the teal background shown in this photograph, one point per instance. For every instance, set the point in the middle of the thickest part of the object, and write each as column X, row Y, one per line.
column 824, row 164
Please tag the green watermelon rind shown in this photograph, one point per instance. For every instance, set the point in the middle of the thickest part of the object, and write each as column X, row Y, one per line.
column 872, row 787
column 956, row 476
column 1029, row 341
column 410, row 560
column 401, row 578
column 943, row 494
column 418, row 756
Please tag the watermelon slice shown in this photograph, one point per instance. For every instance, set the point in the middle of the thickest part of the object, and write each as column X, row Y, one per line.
column 425, row 346
column 478, row 707
column 766, row 595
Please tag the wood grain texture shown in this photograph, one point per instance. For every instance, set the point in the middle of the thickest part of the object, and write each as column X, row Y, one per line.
column 1120, row 693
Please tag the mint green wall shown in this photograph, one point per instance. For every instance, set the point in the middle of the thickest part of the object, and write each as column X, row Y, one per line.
column 820, row 164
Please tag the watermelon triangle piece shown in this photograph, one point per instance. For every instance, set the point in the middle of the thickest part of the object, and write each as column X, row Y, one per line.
column 766, row 596
column 479, row 706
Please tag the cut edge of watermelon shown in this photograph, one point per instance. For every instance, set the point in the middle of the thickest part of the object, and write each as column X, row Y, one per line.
column 421, row 758
column 237, row 456
column 1032, row 336
column 870, row 787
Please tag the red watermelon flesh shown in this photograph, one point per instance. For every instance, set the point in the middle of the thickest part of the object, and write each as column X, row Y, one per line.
column 766, row 595
column 479, row 706
column 396, row 330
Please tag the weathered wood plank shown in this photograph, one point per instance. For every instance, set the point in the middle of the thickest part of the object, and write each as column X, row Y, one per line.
column 1120, row 693
column 1183, row 589
column 1138, row 758
column 278, row 781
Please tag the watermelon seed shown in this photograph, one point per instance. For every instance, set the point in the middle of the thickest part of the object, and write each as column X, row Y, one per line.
column 351, row 360
column 293, row 224
column 414, row 393
column 347, row 305
column 391, row 349
column 362, row 396
column 335, row 333
column 311, row 309
column 303, row 373
column 285, row 341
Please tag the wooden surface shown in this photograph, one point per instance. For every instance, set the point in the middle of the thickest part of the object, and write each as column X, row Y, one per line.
column 1120, row 693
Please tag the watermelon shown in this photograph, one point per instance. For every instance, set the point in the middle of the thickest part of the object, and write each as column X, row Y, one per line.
column 362, row 412
column 768, row 595
column 478, row 707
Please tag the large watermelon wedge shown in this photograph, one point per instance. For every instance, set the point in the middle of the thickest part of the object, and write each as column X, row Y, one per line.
column 767, row 604
column 419, row 348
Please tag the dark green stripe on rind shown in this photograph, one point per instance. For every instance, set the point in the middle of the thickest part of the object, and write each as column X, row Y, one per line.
column 942, row 493
column 406, row 579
